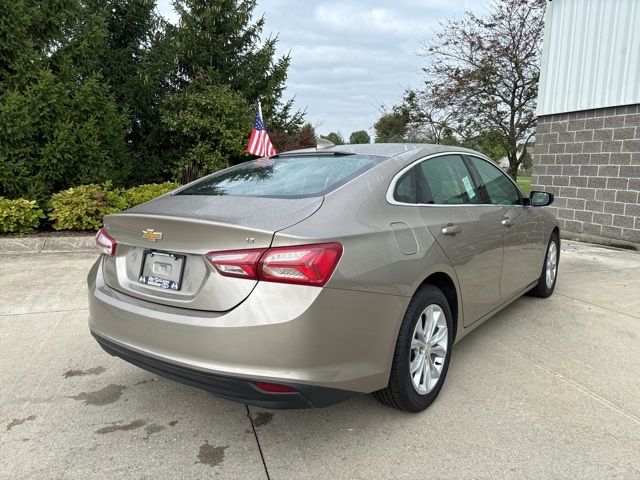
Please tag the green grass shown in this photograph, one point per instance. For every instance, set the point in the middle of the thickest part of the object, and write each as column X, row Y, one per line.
column 525, row 184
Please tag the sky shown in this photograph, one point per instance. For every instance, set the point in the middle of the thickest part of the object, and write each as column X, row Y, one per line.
column 348, row 58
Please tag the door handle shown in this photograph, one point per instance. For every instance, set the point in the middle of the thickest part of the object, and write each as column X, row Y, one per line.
column 450, row 229
column 507, row 222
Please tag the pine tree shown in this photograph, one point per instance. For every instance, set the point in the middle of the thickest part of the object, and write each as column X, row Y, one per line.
column 219, row 55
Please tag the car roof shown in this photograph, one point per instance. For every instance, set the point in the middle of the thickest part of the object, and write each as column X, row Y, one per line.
column 386, row 149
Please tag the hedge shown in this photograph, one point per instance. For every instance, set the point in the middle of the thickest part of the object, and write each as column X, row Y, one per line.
column 19, row 215
column 77, row 208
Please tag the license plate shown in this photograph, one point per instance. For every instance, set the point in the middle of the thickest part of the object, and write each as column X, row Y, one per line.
column 162, row 269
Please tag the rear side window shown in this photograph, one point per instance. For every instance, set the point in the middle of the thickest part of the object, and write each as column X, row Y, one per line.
column 406, row 190
column 285, row 177
column 449, row 181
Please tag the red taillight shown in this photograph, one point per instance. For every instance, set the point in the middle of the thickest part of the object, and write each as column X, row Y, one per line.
column 237, row 263
column 274, row 387
column 105, row 242
column 304, row 264
column 300, row 264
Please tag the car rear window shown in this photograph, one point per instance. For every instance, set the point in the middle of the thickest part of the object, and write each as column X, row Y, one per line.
column 285, row 177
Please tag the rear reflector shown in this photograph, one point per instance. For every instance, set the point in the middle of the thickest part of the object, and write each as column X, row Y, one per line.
column 274, row 387
column 299, row 264
column 105, row 242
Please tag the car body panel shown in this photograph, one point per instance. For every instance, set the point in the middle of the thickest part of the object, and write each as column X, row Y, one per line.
column 475, row 252
column 280, row 333
column 525, row 242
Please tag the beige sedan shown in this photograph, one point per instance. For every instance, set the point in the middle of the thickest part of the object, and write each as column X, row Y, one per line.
column 314, row 276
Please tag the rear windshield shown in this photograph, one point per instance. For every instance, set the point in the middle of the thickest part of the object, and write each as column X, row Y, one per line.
column 285, row 177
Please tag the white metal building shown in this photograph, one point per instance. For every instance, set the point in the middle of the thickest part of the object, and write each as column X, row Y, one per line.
column 588, row 137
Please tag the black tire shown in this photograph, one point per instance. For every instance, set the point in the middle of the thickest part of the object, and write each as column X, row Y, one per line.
column 541, row 290
column 400, row 392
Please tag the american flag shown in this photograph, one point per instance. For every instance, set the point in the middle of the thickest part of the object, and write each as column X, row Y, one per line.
column 259, row 142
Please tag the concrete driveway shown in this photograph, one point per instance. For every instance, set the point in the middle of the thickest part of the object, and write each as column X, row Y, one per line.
column 546, row 389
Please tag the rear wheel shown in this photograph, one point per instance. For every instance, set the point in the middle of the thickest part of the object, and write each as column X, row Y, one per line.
column 547, row 280
column 422, row 353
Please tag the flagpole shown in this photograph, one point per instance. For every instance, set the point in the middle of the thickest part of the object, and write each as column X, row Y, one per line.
column 260, row 110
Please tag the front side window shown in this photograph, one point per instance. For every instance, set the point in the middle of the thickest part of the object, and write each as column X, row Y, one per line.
column 448, row 181
column 500, row 189
column 285, row 177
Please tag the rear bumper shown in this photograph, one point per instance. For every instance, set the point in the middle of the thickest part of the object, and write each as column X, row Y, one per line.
column 329, row 344
column 230, row 388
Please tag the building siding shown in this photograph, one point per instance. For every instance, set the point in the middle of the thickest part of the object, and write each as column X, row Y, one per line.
column 590, row 161
column 591, row 56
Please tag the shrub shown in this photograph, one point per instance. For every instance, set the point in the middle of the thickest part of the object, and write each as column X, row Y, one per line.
column 143, row 193
column 59, row 129
column 19, row 215
column 83, row 207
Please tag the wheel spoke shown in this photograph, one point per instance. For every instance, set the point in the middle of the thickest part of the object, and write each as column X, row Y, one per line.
column 426, row 376
column 421, row 326
column 417, row 343
column 439, row 351
column 438, row 337
column 434, row 371
column 416, row 364
column 433, row 323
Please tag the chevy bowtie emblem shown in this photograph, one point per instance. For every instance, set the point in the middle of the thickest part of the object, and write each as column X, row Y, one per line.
column 151, row 235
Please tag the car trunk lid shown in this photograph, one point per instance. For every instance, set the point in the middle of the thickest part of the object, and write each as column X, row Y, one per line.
column 163, row 242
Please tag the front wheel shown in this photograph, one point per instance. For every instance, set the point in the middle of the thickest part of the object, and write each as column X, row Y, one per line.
column 547, row 281
column 422, row 353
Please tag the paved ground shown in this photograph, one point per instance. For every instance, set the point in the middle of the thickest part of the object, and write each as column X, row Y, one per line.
column 546, row 389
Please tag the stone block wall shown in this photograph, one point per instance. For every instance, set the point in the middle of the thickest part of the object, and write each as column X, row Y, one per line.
column 590, row 161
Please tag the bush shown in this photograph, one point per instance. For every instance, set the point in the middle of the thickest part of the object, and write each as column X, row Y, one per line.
column 57, row 132
column 83, row 207
column 143, row 193
column 19, row 215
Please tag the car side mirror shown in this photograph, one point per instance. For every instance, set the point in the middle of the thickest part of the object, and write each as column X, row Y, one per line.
column 540, row 199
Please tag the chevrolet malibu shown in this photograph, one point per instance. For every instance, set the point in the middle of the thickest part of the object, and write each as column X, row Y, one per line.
column 314, row 276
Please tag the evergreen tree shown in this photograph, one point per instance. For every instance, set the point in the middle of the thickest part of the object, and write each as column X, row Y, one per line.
column 59, row 123
column 335, row 137
column 217, row 43
column 135, row 60
column 96, row 90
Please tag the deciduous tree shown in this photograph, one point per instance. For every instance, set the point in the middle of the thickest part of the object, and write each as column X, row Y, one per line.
column 359, row 136
column 294, row 139
column 485, row 70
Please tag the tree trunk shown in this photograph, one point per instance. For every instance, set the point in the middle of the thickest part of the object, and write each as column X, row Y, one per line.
column 513, row 168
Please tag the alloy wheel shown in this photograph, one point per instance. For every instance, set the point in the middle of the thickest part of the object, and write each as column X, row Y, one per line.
column 428, row 349
column 552, row 264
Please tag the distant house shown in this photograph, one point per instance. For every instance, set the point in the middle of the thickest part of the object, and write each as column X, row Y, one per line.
column 503, row 163
column 588, row 137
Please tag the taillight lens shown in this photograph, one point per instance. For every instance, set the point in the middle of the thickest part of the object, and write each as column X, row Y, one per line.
column 237, row 263
column 304, row 264
column 300, row 264
column 105, row 242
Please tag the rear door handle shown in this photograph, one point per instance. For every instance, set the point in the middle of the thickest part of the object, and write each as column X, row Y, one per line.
column 450, row 229
column 507, row 222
